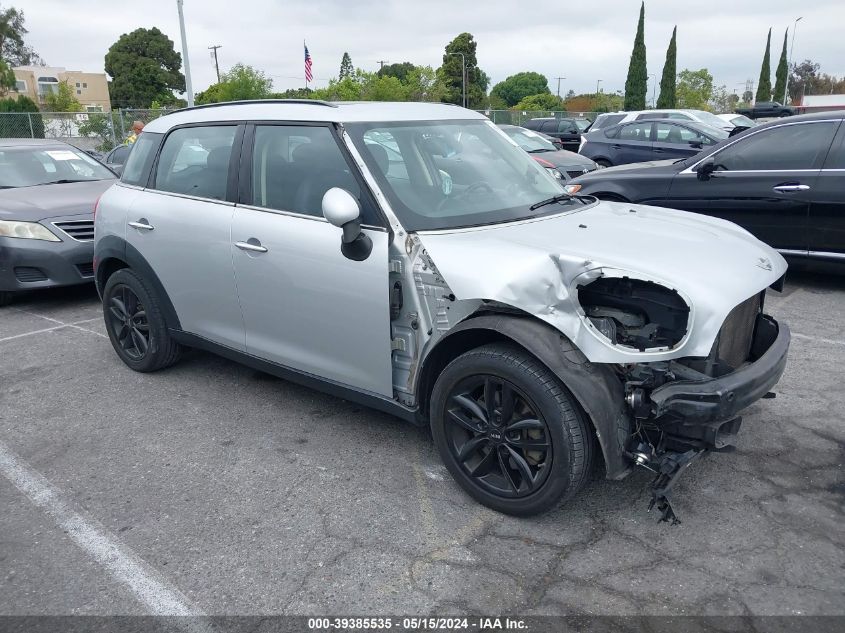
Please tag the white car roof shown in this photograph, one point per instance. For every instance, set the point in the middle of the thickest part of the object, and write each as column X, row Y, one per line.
column 304, row 110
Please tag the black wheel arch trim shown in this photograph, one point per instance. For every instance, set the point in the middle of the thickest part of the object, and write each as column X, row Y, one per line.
column 595, row 387
column 112, row 247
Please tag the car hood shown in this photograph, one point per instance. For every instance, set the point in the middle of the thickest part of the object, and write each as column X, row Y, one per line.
column 41, row 202
column 568, row 161
column 536, row 266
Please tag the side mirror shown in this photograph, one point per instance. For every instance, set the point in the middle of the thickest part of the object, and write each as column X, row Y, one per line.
column 341, row 209
column 706, row 170
column 695, row 144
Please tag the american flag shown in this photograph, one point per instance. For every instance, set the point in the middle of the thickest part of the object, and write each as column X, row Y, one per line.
column 308, row 75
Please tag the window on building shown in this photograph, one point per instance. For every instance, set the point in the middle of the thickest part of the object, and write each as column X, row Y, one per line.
column 46, row 85
column 20, row 85
column 84, row 85
column 79, row 92
column 77, row 84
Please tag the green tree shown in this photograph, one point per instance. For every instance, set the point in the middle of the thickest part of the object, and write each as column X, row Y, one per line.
column 144, row 67
column 541, row 101
column 292, row 93
column 400, row 70
column 781, row 73
column 346, row 68
column 764, row 85
column 421, row 84
column 667, row 81
column 63, row 100
column 694, row 89
column 722, row 101
column 516, row 87
column 636, row 85
column 20, row 118
column 240, row 83
column 451, row 73
column 13, row 49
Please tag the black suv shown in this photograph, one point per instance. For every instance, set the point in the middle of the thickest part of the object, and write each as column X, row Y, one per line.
column 566, row 130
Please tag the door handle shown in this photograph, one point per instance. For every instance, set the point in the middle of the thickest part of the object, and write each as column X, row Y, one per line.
column 658, row 151
column 616, row 146
column 142, row 224
column 253, row 246
column 790, row 188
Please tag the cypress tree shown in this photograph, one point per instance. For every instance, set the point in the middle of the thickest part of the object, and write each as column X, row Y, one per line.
column 781, row 72
column 667, row 82
column 346, row 69
column 636, row 85
column 764, row 85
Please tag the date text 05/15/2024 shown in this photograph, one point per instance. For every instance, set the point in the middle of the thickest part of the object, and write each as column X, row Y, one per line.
column 415, row 624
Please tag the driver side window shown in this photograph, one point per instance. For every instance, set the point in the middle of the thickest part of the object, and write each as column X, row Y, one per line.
column 787, row 147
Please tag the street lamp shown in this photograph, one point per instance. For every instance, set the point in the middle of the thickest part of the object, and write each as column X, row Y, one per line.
column 597, row 92
column 789, row 67
column 463, row 78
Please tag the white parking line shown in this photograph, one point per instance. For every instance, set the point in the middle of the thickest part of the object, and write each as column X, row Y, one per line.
column 148, row 586
column 75, row 325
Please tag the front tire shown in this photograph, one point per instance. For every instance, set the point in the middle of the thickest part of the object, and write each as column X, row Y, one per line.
column 135, row 323
column 508, row 431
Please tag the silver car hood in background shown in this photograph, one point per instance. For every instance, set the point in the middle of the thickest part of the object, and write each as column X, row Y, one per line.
column 536, row 266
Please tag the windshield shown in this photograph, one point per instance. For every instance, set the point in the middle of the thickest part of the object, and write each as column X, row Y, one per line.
column 529, row 141
column 708, row 118
column 716, row 133
column 742, row 121
column 40, row 165
column 450, row 174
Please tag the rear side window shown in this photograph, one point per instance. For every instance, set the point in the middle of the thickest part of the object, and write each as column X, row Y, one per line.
column 294, row 166
column 836, row 158
column 807, row 142
column 140, row 160
column 606, row 120
column 195, row 161
column 635, row 132
column 549, row 126
column 532, row 124
column 649, row 115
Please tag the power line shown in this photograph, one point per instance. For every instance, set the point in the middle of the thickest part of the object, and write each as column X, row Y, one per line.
column 382, row 62
column 558, row 85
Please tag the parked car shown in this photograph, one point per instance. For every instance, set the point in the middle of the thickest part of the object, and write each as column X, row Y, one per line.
column 410, row 257
column 47, row 195
column 697, row 116
column 115, row 159
column 783, row 181
column 764, row 109
column 569, row 164
column 566, row 130
column 641, row 141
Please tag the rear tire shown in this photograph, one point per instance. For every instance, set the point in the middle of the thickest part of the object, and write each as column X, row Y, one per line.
column 603, row 162
column 135, row 323
column 6, row 297
column 508, row 431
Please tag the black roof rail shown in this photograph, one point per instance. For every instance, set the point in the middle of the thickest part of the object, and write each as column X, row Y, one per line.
column 253, row 101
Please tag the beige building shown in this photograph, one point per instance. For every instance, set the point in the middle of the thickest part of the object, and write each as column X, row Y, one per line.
column 91, row 89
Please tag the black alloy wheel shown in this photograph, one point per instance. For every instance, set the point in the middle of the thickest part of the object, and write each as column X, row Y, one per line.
column 498, row 436
column 135, row 323
column 128, row 322
column 509, row 431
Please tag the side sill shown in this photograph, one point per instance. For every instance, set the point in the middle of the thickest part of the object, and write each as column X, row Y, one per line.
column 366, row 398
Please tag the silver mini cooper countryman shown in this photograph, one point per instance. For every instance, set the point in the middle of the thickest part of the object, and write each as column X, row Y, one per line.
column 413, row 258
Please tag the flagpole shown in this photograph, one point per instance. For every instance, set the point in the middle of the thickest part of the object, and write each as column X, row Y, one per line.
column 304, row 71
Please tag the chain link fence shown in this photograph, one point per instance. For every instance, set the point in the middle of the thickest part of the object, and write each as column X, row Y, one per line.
column 519, row 117
column 98, row 131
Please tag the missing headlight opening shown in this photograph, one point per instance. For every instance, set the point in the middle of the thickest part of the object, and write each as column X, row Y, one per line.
column 635, row 313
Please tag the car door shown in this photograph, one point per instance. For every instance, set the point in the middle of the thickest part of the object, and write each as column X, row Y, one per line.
column 631, row 143
column 181, row 226
column 827, row 205
column 763, row 181
column 305, row 305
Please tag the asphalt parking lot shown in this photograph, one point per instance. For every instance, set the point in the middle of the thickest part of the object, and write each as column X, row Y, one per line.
column 211, row 488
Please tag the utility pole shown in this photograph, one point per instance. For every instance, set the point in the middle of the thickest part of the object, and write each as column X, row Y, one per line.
column 558, row 85
column 213, row 50
column 189, row 91
column 789, row 65
column 598, row 82
column 381, row 63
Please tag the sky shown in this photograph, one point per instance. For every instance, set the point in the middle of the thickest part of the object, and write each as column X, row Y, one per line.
column 581, row 41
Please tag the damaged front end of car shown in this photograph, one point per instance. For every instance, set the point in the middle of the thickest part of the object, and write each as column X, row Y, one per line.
column 684, row 406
